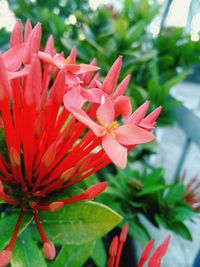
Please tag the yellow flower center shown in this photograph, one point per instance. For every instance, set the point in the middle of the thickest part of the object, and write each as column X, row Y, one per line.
column 109, row 127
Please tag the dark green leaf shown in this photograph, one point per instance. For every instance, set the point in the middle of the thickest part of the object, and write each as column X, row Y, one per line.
column 180, row 229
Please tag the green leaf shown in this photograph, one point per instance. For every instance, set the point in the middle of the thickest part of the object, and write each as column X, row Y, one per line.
column 160, row 221
column 26, row 252
column 136, row 31
column 138, row 231
column 8, row 224
column 180, row 229
column 183, row 213
column 175, row 194
column 79, row 223
column 173, row 81
column 150, row 189
column 99, row 254
column 73, row 256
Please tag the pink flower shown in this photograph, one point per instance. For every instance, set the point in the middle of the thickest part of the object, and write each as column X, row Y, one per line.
column 115, row 138
column 117, row 244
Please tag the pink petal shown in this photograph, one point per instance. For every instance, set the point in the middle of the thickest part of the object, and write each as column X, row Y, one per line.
column 80, row 115
column 106, row 111
column 86, row 68
column 16, row 36
column 92, row 95
column 49, row 48
column 72, row 56
column 116, row 152
column 111, row 78
column 71, row 79
column 47, row 58
column 123, row 106
column 152, row 117
column 92, row 84
column 5, row 88
column 27, row 30
column 59, row 61
column 121, row 88
column 25, row 71
column 74, row 68
column 129, row 134
column 86, row 77
column 138, row 115
column 33, row 43
column 73, row 98
column 13, row 57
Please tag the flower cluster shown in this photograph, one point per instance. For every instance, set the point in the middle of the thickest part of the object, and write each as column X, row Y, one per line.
column 61, row 124
column 192, row 191
column 154, row 260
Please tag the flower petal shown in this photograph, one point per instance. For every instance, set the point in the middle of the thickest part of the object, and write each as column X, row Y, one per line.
column 116, row 152
column 13, row 57
column 20, row 73
column 123, row 106
column 121, row 88
column 111, row 78
column 132, row 135
column 73, row 98
column 92, row 95
column 106, row 111
column 138, row 115
column 80, row 115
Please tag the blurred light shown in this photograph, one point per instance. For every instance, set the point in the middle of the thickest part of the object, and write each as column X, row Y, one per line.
column 81, row 36
column 66, row 34
column 194, row 36
column 71, row 20
column 63, row 3
column 154, row 27
column 178, row 13
column 56, row 11
column 94, row 4
column 7, row 18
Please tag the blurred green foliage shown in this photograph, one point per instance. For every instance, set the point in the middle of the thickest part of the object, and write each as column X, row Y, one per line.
column 144, row 195
column 156, row 62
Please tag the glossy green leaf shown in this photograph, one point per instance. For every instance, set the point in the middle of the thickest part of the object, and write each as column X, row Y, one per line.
column 7, row 226
column 175, row 194
column 26, row 252
column 73, row 256
column 79, row 223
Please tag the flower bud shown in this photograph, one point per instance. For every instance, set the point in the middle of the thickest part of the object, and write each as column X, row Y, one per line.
column 49, row 250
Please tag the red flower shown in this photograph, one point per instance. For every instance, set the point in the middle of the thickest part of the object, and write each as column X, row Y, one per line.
column 117, row 244
column 48, row 149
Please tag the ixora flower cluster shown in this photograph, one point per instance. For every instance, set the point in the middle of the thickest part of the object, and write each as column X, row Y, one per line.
column 61, row 124
column 154, row 260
